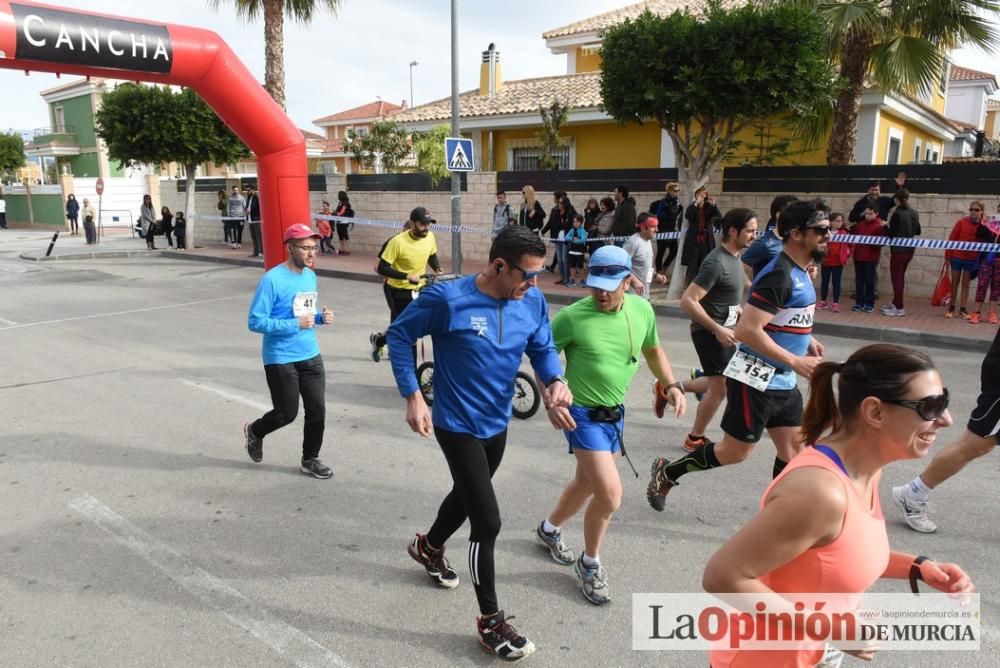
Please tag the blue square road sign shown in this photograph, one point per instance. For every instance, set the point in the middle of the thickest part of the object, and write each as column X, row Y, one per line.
column 458, row 154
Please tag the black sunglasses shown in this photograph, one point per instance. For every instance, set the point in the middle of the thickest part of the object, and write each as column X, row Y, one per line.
column 929, row 408
column 821, row 230
column 609, row 270
column 528, row 275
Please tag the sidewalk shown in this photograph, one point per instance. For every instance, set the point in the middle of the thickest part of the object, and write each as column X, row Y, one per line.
column 924, row 325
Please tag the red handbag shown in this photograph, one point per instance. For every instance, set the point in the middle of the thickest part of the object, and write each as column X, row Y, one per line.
column 942, row 291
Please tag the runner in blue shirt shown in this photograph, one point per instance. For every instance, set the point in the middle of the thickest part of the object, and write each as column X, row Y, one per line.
column 776, row 343
column 285, row 310
column 480, row 326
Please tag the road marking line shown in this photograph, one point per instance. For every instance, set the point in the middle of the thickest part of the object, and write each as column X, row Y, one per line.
column 114, row 313
column 288, row 641
column 231, row 396
column 7, row 322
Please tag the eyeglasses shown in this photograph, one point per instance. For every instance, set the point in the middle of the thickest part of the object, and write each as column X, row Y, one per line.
column 608, row 270
column 306, row 249
column 821, row 230
column 972, row 210
column 929, row 408
column 528, row 275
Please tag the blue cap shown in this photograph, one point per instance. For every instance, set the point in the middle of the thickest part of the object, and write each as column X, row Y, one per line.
column 609, row 266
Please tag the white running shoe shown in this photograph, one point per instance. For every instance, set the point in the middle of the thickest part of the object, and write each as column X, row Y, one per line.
column 914, row 512
column 887, row 307
column 889, row 310
column 898, row 313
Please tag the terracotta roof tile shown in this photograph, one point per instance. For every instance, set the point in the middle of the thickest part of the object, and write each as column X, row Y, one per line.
column 378, row 109
column 959, row 73
column 333, row 146
column 616, row 16
column 516, row 97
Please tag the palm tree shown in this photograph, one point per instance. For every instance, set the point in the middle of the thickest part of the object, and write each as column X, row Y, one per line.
column 901, row 46
column 274, row 32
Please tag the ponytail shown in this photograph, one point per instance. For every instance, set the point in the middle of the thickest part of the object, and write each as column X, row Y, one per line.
column 821, row 414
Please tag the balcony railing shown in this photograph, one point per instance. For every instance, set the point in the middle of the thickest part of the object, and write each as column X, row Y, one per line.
column 65, row 134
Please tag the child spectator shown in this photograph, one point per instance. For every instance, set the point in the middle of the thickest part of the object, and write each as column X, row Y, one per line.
column 576, row 241
column 866, row 257
column 964, row 263
column 904, row 223
column 326, row 232
column 833, row 265
column 989, row 277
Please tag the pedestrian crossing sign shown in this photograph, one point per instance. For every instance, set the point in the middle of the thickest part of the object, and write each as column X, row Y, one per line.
column 458, row 154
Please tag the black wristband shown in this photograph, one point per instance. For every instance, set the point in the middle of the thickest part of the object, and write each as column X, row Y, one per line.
column 915, row 573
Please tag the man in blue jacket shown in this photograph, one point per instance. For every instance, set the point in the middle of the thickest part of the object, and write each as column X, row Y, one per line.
column 284, row 309
column 480, row 325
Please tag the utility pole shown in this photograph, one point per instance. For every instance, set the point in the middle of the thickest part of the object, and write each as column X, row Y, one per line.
column 456, row 178
column 412, row 65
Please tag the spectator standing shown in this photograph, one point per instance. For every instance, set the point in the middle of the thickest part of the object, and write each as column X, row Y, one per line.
column 222, row 204
column 147, row 221
column 833, row 264
column 502, row 214
column 639, row 246
column 576, row 243
column 699, row 239
column 668, row 211
column 554, row 227
column 325, row 231
column 285, row 309
column 3, row 213
column 73, row 214
column 989, row 275
column 904, row 223
column 253, row 221
column 964, row 263
column 866, row 257
column 344, row 210
column 180, row 230
column 590, row 213
column 167, row 225
column 874, row 197
column 236, row 209
column 89, row 216
column 532, row 215
column 625, row 216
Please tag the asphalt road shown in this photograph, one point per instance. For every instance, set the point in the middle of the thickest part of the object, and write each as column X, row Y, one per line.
column 134, row 531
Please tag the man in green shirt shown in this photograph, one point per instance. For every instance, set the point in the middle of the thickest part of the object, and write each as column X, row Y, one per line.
column 602, row 337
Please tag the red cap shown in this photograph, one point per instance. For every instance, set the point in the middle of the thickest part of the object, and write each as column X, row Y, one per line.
column 300, row 231
column 649, row 222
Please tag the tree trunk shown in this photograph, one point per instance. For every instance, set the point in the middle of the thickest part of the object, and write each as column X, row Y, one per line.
column 689, row 181
column 274, row 50
column 844, row 133
column 189, row 212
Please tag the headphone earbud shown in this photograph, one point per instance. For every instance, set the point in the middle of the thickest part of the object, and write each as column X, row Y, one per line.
column 499, row 267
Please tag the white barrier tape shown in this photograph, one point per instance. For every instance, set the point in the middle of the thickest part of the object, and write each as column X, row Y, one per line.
column 932, row 244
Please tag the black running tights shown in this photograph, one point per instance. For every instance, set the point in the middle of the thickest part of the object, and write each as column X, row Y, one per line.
column 472, row 461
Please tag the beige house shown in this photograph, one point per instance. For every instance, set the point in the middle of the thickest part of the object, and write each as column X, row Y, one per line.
column 334, row 157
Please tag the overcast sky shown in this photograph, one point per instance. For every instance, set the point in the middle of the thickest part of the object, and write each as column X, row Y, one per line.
column 339, row 62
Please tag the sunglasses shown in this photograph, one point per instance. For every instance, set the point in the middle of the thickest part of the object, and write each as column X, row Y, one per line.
column 821, row 230
column 929, row 408
column 609, row 270
column 975, row 210
column 528, row 275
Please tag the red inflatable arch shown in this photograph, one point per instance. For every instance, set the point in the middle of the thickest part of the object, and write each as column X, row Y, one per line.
column 46, row 38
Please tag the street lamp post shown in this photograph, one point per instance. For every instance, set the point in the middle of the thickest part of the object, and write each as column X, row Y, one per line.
column 412, row 65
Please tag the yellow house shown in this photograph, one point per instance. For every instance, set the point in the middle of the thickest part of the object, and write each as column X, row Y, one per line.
column 502, row 117
column 334, row 156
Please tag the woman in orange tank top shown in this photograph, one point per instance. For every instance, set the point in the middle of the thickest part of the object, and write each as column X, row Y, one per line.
column 820, row 527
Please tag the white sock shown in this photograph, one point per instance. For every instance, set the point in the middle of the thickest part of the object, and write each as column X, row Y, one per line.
column 591, row 562
column 917, row 490
column 549, row 527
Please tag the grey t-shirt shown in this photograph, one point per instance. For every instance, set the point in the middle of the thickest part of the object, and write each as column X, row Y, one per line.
column 641, row 251
column 721, row 274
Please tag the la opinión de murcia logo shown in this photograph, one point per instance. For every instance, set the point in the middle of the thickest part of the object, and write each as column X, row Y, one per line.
column 57, row 36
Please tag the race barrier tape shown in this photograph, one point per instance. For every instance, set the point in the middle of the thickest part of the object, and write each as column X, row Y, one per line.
column 915, row 242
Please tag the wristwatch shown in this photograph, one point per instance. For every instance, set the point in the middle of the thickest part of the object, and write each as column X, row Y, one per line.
column 557, row 379
column 915, row 573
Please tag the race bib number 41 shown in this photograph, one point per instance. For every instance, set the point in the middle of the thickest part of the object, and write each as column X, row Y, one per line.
column 304, row 304
column 749, row 370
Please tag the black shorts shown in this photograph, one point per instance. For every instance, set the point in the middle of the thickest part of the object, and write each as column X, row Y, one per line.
column 985, row 418
column 749, row 412
column 576, row 261
column 712, row 355
column 342, row 231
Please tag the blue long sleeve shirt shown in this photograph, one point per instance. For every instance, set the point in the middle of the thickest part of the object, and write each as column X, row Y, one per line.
column 281, row 297
column 761, row 252
column 478, row 344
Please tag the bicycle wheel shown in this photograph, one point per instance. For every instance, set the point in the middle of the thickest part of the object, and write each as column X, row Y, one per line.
column 526, row 397
column 425, row 379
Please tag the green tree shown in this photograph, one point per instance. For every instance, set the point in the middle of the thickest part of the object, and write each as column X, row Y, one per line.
column 900, row 46
column 12, row 156
column 155, row 125
column 553, row 118
column 386, row 144
column 428, row 147
column 705, row 79
column 274, row 12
